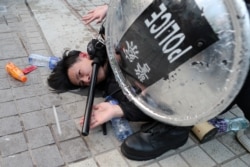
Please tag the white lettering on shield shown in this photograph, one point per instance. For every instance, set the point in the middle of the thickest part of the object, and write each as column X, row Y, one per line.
column 142, row 71
column 131, row 52
column 174, row 37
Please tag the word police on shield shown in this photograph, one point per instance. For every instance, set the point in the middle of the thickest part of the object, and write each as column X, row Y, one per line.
column 177, row 30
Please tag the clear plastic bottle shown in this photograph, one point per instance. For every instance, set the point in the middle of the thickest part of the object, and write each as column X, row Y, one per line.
column 120, row 126
column 43, row 61
column 233, row 124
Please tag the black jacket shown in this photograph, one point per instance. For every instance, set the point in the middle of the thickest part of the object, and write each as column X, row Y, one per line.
column 131, row 112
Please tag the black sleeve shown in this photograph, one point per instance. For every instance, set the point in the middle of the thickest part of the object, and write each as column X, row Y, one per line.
column 131, row 112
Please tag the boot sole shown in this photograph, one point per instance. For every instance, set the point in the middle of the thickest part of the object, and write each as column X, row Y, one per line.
column 152, row 155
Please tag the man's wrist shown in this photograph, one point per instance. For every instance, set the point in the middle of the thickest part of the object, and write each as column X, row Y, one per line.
column 118, row 111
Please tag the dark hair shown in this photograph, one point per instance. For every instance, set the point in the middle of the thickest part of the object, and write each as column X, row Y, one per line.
column 58, row 79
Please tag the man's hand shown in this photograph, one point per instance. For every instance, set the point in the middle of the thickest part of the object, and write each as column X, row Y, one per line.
column 98, row 14
column 102, row 113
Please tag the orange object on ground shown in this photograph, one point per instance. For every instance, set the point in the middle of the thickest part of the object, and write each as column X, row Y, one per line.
column 15, row 72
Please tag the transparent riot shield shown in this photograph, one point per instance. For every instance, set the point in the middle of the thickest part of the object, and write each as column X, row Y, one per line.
column 179, row 61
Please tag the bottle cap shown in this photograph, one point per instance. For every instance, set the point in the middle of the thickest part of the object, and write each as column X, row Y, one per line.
column 23, row 78
column 53, row 62
column 204, row 131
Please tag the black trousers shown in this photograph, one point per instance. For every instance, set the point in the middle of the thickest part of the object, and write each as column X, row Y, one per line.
column 243, row 98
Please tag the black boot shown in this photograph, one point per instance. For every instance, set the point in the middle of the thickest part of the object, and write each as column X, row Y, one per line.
column 153, row 140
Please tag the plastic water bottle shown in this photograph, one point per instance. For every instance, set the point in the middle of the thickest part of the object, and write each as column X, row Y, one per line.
column 120, row 126
column 43, row 61
column 226, row 125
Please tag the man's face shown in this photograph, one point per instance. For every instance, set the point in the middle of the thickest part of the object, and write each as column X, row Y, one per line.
column 80, row 72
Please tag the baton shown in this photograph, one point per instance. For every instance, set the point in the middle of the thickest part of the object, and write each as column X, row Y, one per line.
column 91, row 95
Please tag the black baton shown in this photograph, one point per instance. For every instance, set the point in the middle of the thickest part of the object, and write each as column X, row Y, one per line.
column 90, row 99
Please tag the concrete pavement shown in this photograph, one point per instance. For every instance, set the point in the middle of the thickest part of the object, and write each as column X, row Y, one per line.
column 28, row 133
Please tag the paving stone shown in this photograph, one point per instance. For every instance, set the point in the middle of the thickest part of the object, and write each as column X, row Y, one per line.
column 34, row 119
column 62, row 115
column 188, row 144
column 10, row 49
column 237, row 111
column 44, row 71
column 8, row 109
column 18, row 62
column 31, row 28
column 82, row 95
column 246, row 158
column 111, row 159
column 168, row 154
column 12, row 20
column 37, row 46
column 4, row 83
column 48, row 100
column 12, row 144
column 33, row 34
column 4, row 36
column 110, row 133
column 15, row 52
column 14, row 26
column 40, row 87
column 26, row 17
column 136, row 163
column 72, row 110
column 6, row 41
column 80, row 107
column 153, row 165
column 174, row 161
column 35, row 78
column 15, row 83
column 234, row 163
column 197, row 158
column 230, row 140
column 68, row 97
column 25, row 14
column 3, row 73
column 74, row 150
column 39, row 137
column 47, row 156
column 24, row 92
column 72, row 26
column 28, row 105
column 217, row 151
column 98, row 142
column 6, row 95
column 3, row 8
column 20, row 160
column 9, row 125
column 79, row 127
column 88, row 162
column 68, row 129
column 35, row 40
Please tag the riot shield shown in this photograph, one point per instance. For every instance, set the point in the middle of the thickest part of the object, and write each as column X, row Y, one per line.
column 179, row 61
